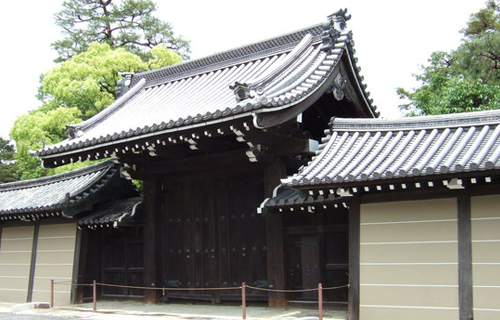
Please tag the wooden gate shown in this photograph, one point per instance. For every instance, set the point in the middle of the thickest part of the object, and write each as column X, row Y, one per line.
column 317, row 247
column 122, row 262
column 213, row 236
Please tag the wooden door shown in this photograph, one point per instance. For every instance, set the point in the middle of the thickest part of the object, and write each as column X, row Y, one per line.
column 213, row 236
column 336, row 264
column 304, row 265
column 317, row 251
column 122, row 262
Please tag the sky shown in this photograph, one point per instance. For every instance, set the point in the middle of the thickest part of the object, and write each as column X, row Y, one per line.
column 393, row 38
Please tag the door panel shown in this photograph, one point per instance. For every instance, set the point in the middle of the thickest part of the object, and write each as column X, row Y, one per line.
column 122, row 262
column 213, row 235
column 317, row 247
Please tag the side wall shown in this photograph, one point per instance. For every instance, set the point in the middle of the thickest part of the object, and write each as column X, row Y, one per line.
column 54, row 260
column 485, row 216
column 409, row 260
column 15, row 262
column 25, row 274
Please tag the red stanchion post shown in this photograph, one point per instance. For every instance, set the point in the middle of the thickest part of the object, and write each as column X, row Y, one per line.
column 94, row 295
column 52, row 293
column 243, row 301
column 320, row 300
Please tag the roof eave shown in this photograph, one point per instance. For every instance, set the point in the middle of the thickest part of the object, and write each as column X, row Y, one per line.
column 394, row 181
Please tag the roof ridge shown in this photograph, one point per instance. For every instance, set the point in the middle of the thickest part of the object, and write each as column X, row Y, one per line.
column 419, row 122
column 172, row 97
column 240, row 54
column 105, row 165
column 73, row 129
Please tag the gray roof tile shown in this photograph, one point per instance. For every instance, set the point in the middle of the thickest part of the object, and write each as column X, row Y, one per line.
column 357, row 150
column 112, row 213
column 274, row 74
column 55, row 192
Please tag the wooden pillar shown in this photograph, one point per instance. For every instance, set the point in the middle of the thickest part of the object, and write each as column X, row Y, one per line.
column 79, row 265
column 354, row 259
column 31, row 279
column 276, row 266
column 464, row 257
column 152, row 188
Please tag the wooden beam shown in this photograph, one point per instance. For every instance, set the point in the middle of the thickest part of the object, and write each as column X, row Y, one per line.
column 465, row 300
column 261, row 137
column 294, row 147
column 1, row 234
column 150, row 234
column 354, row 258
column 203, row 163
column 276, row 264
column 412, row 180
column 174, row 152
column 331, row 228
column 275, row 118
column 218, row 145
column 426, row 193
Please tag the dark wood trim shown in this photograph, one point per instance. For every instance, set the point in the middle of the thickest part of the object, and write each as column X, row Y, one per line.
column 150, row 236
column 77, row 258
column 100, row 152
column 337, row 266
column 276, row 264
column 408, row 195
column 293, row 147
column 34, row 246
column 1, row 234
column 353, row 90
column 275, row 118
column 464, row 257
column 354, row 258
column 410, row 180
column 427, row 193
column 220, row 162
column 330, row 228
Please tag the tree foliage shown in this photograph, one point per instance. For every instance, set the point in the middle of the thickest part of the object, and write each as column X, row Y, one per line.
column 88, row 80
column 102, row 39
column 129, row 24
column 31, row 131
column 465, row 79
column 7, row 163
column 73, row 91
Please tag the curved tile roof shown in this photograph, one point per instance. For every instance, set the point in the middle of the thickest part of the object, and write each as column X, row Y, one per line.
column 266, row 76
column 364, row 150
column 55, row 192
column 112, row 213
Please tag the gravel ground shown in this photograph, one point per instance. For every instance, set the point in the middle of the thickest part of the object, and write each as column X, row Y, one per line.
column 172, row 311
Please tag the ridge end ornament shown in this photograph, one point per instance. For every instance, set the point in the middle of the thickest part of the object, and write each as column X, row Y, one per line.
column 332, row 28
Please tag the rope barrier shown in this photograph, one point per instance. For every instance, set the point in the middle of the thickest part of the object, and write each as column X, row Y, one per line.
column 167, row 288
column 196, row 289
column 296, row 290
column 339, row 287
column 69, row 284
column 282, row 291
column 243, row 288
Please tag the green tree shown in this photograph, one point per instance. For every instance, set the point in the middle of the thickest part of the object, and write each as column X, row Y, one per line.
column 88, row 80
column 73, row 91
column 129, row 24
column 465, row 79
column 7, row 163
column 31, row 131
